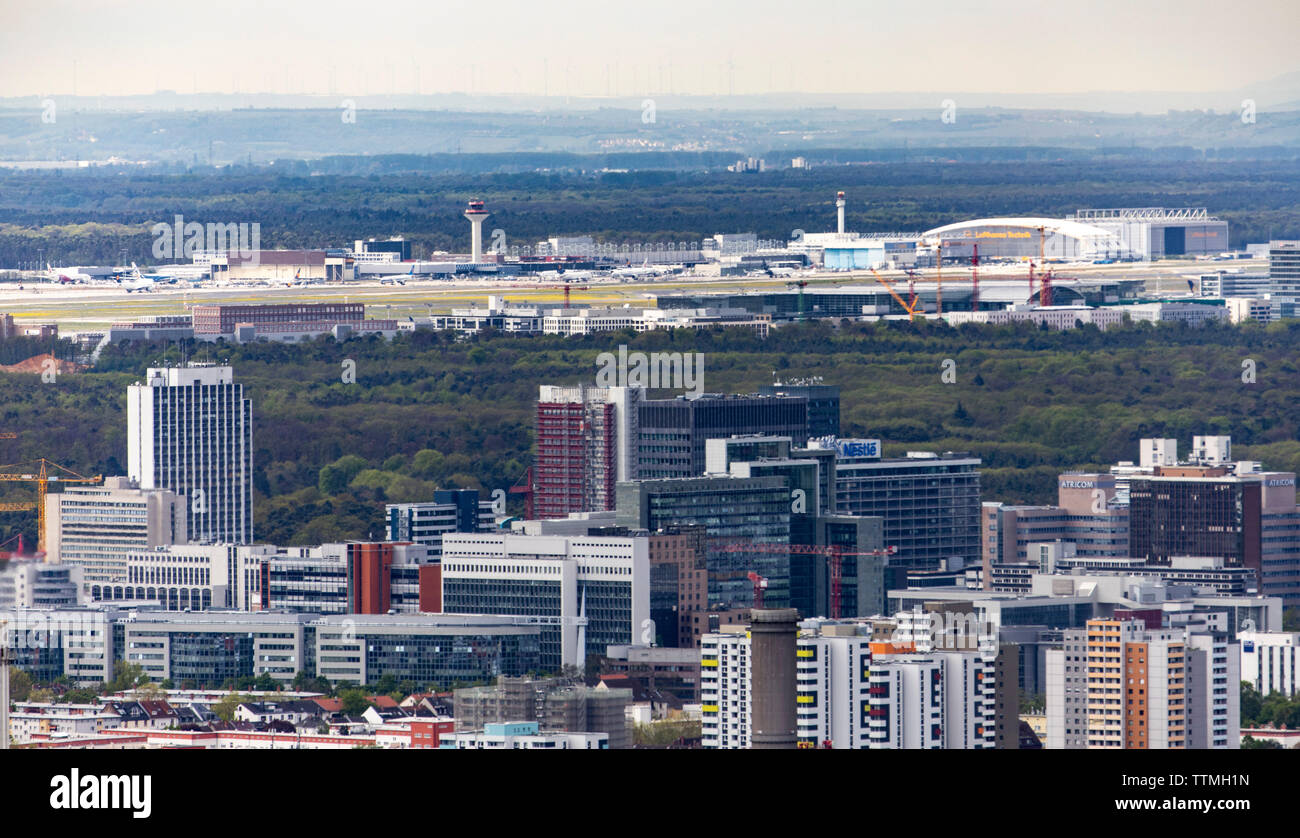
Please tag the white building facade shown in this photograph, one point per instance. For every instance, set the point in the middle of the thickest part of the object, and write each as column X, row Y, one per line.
column 1269, row 661
column 589, row 593
column 190, row 430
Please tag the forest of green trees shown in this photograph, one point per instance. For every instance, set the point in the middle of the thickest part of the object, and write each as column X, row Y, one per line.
column 87, row 218
column 431, row 410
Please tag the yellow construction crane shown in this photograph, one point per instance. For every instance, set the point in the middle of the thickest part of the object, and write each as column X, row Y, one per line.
column 41, row 477
column 14, row 507
column 911, row 308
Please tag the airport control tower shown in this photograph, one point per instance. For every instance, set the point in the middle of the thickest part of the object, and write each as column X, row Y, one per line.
column 475, row 213
column 839, row 206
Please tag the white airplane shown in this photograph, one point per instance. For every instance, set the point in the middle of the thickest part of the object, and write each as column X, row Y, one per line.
column 566, row 276
column 776, row 272
column 398, row 279
column 134, row 280
column 644, row 270
column 66, row 276
column 286, row 283
column 138, row 281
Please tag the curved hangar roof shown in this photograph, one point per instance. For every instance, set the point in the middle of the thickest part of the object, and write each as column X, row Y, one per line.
column 1059, row 226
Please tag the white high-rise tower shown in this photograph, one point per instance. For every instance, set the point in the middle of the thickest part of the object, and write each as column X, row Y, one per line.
column 839, row 207
column 475, row 213
column 190, row 430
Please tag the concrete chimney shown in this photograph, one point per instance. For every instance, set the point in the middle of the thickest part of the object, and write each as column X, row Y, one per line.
column 772, row 633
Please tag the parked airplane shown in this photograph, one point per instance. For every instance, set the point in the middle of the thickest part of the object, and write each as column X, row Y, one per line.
column 398, row 279
column 66, row 276
column 644, row 271
column 777, row 272
column 567, row 276
column 145, row 282
column 139, row 282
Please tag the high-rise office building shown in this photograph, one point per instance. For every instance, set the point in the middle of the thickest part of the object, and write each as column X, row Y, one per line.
column 451, row 510
column 823, row 403
column 679, row 585
column 98, row 527
column 930, row 504
column 747, row 522
column 1085, row 515
column 1248, row 518
column 1284, row 276
column 588, row 593
column 672, row 433
column 190, row 430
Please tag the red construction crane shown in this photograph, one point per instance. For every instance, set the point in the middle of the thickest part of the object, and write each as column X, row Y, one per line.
column 524, row 486
column 975, row 277
column 836, row 553
column 911, row 286
column 760, row 585
column 566, row 286
column 1045, row 289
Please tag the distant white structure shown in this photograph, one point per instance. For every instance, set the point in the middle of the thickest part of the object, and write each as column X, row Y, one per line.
column 839, row 212
column 1158, row 452
column 1159, row 233
column 1211, row 450
column 1241, row 309
column 476, row 214
column 1027, row 238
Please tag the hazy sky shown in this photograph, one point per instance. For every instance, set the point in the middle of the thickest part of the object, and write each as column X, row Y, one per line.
column 586, row 47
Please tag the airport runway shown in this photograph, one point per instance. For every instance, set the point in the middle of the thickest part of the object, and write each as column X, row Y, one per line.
column 95, row 307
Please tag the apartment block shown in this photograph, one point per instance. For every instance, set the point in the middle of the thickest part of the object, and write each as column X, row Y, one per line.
column 856, row 691
column 585, row 440
column 1120, row 685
